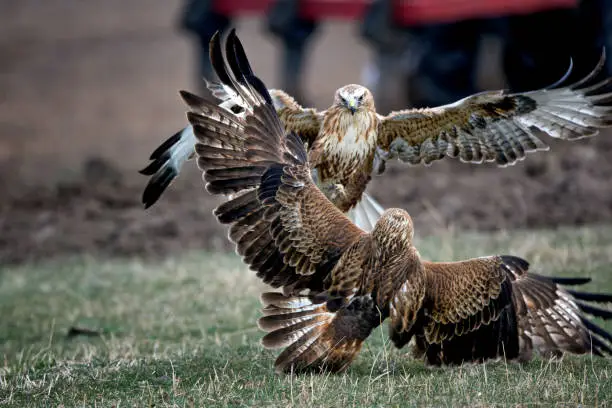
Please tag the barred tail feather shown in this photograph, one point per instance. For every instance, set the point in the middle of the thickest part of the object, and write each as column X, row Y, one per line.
column 314, row 337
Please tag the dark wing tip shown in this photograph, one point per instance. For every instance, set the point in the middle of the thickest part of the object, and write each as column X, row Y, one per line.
column 192, row 100
column 166, row 145
column 595, row 311
column 232, row 59
column 216, row 59
column 157, row 185
column 516, row 262
column 241, row 57
column 593, row 73
column 570, row 281
column 591, row 297
column 596, row 329
column 152, row 168
column 260, row 87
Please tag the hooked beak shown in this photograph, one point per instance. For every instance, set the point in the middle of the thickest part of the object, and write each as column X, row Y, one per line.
column 352, row 107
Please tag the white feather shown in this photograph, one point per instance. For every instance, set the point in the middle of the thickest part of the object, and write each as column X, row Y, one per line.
column 180, row 152
column 366, row 213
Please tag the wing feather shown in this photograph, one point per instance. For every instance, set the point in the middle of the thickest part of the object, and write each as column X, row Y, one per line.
column 462, row 296
column 496, row 126
column 553, row 320
column 229, row 94
column 305, row 122
column 283, row 226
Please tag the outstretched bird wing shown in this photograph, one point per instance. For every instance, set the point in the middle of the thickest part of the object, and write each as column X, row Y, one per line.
column 553, row 320
column 498, row 127
column 282, row 225
column 285, row 228
column 462, row 296
column 305, row 122
column 492, row 307
column 168, row 159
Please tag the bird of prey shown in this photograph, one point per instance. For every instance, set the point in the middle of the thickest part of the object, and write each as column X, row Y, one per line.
column 350, row 141
column 340, row 282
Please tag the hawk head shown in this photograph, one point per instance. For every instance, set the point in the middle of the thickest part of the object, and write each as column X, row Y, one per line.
column 394, row 230
column 354, row 98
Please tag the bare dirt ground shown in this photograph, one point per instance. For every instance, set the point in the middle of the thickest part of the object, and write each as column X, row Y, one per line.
column 89, row 89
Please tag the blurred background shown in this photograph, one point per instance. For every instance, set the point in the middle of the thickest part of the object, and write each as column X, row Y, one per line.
column 88, row 89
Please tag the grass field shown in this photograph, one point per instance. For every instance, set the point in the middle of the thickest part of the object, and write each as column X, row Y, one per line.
column 183, row 333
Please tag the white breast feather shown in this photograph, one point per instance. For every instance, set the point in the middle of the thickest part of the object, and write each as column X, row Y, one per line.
column 355, row 143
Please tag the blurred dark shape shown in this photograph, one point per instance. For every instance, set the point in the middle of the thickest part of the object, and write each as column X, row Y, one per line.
column 283, row 20
column 536, row 49
column 380, row 29
column 83, row 331
column 447, row 67
column 99, row 170
column 200, row 19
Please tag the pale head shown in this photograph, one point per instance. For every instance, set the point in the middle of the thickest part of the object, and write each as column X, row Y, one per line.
column 354, row 98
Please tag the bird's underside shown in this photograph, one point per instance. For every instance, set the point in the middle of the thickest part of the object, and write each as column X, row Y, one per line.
column 338, row 282
column 350, row 141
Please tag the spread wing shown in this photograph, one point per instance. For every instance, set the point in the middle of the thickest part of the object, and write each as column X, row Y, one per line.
column 285, row 229
column 553, row 320
column 168, row 159
column 306, row 122
column 465, row 312
column 462, row 296
column 492, row 307
column 498, row 127
column 283, row 226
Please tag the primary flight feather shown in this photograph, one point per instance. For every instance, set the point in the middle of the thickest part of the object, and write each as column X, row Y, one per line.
column 350, row 141
column 339, row 282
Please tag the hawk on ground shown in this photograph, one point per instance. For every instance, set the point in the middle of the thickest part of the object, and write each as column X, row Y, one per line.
column 350, row 141
column 339, row 282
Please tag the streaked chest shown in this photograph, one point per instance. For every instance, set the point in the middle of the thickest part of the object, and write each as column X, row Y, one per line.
column 349, row 142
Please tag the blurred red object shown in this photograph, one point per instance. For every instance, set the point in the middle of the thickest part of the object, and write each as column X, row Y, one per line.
column 407, row 12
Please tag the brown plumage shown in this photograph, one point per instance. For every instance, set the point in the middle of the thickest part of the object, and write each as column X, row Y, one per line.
column 350, row 141
column 339, row 282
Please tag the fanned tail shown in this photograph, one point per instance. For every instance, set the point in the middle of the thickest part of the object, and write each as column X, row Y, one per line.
column 315, row 338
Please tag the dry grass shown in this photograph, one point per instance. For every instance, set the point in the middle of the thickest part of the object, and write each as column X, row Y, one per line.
column 183, row 333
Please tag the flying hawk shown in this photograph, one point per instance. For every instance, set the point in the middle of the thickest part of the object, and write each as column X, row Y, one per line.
column 350, row 141
column 340, row 282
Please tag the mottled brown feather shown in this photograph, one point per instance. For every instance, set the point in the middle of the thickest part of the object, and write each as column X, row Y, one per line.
column 551, row 320
column 496, row 126
column 305, row 122
column 339, row 282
